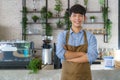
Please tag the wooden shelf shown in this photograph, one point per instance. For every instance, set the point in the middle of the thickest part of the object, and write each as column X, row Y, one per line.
column 32, row 11
column 94, row 12
column 56, row 17
column 99, row 33
column 59, row 29
column 38, row 11
column 37, row 48
column 55, row 23
column 32, row 34
column 35, row 23
column 94, row 23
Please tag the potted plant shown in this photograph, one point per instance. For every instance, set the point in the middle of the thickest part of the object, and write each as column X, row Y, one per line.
column 60, row 24
column 92, row 18
column 35, row 65
column 58, row 7
column 35, row 18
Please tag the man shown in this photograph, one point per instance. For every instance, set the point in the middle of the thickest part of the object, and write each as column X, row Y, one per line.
column 76, row 48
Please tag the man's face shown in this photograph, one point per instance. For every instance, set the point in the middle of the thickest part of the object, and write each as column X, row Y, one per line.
column 76, row 19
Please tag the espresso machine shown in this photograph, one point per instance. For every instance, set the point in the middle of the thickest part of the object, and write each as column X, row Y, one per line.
column 47, row 51
column 15, row 54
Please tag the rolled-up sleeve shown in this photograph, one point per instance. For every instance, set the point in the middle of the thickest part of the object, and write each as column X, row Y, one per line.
column 60, row 51
column 92, row 49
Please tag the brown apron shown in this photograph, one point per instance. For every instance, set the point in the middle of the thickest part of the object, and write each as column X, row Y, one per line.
column 76, row 71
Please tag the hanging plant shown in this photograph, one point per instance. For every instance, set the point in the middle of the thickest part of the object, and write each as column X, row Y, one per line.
column 43, row 14
column 67, row 20
column 24, row 22
column 76, row 1
column 107, row 22
column 48, row 30
column 86, row 3
column 108, row 28
column 101, row 3
column 43, row 17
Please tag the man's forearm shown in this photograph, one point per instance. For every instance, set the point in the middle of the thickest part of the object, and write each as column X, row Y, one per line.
column 71, row 55
column 82, row 59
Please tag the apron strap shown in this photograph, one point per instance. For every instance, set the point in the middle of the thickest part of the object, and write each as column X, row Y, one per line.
column 85, row 37
column 67, row 36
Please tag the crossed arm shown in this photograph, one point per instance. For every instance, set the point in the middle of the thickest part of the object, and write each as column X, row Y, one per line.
column 79, row 57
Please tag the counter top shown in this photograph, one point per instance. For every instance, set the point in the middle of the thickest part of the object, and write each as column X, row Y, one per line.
column 24, row 75
column 100, row 67
column 55, row 75
column 99, row 72
column 93, row 67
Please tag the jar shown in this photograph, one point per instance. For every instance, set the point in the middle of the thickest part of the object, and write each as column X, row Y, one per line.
column 108, row 62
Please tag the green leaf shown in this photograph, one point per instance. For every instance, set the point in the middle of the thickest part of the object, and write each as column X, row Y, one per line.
column 35, row 65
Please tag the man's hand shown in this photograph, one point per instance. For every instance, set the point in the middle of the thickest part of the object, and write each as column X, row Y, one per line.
column 65, row 47
column 82, row 59
column 71, row 55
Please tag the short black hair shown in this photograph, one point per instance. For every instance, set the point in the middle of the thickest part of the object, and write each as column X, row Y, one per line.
column 77, row 8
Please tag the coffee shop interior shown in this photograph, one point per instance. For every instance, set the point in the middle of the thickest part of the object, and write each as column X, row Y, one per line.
column 29, row 31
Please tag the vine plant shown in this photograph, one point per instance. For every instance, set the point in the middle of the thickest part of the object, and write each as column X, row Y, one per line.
column 86, row 3
column 58, row 8
column 24, row 22
column 107, row 22
column 47, row 27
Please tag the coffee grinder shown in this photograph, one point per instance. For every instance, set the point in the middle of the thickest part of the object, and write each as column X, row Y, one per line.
column 47, row 50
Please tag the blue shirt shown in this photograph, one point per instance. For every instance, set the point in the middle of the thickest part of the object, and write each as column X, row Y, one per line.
column 76, row 39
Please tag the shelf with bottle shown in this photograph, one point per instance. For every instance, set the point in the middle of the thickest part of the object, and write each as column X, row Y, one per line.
column 31, row 11
column 30, row 34
column 93, row 22
column 96, row 31
column 33, row 32
column 35, row 22
column 41, row 22
column 94, row 11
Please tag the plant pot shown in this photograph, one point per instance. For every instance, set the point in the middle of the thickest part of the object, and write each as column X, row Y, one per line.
column 92, row 20
column 59, row 26
column 35, row 20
